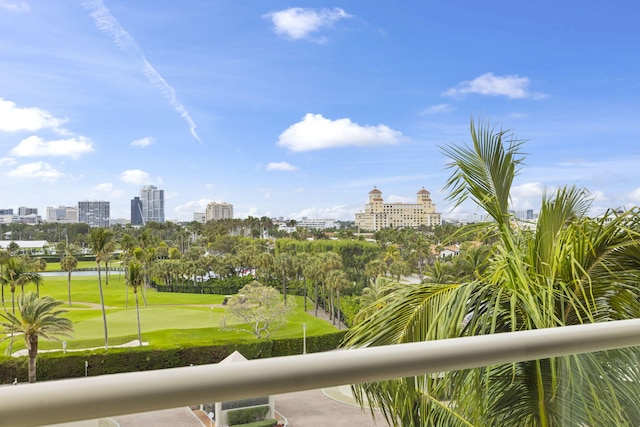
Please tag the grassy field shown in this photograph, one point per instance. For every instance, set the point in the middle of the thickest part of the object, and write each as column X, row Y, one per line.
column 168, row 320
column 55, row 266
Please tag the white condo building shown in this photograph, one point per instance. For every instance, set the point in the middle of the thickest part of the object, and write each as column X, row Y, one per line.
column 216, row 211
column 62, row 214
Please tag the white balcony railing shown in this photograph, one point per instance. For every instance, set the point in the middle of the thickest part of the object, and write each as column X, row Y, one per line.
column 109, row 395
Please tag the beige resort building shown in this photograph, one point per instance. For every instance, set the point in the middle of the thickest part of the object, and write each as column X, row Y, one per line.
column 378, row 215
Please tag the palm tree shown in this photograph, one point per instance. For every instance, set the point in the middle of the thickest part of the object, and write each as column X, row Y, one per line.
column 135, row 278
column 39, row 264
column 4, row 257
column 39, row 317
column 68, row 264
column 283, row 264
column 337, row 280
column 570, row 270
column 100, row 240
column 18, row 272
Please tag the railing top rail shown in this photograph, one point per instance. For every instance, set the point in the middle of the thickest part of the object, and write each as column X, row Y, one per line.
column 95, row 397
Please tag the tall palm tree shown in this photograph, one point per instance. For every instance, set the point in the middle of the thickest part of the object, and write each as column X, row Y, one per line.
column 39, row 264
column 68, row 264
column 4, row 257
column 283, row 264
column 100, row 241
column 135, row 278
column 38, row 317
column 18, row 272
column 337, row 280
column 571, row 269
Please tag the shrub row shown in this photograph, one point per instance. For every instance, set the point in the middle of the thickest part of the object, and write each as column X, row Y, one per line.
column 53, row 366
column 264, row 423
column 226, row 286
column 247, row 415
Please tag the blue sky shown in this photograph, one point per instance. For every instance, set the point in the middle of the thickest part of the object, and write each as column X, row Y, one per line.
column 299, row 109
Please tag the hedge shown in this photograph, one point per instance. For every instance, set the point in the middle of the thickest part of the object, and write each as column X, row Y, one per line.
column 53, row 366
column 247, row 415
column 265, row 423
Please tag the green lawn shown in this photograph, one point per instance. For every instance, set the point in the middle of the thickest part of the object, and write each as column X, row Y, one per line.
column 168, row 320
column 55, row 266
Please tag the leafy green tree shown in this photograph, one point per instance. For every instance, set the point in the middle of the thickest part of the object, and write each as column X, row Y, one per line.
column 260, row 309
column 571, row 270
column 38, row 317
column 337, row 280
column 68, row 264
column 101, row 242
column 4, row 257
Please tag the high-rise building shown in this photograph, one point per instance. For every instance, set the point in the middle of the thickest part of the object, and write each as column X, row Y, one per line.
column 94, row 213
column 152, row 201
column 136, row 211
column 27, row 211
column 62, row 214
column 216, row 211
column 200, row 217
column 6, row 211
column 378, row 215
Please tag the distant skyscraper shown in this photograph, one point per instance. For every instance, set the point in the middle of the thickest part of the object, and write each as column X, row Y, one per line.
column 27, row 211
column 200, row 217
column 62, row 214
column 136, row 211
column 94, row 213
column 6, row 211
column 152, row 201
column 216, row 211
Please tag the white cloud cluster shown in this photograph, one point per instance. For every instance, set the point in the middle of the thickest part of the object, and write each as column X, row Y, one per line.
column 15, row 6
column 512, row 86
column 34, row 146
column 281, row 166
column 187, row 209
column 135, row 176
column 299, row 23
column 42, row 170
column 440, row 108
column 15, row 119
column 316, row 132
column 143, row 142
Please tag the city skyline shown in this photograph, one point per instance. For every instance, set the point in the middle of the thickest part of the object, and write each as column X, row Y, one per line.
column 300, row 111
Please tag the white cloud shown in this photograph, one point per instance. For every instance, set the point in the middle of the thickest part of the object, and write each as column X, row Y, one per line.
column 135, row 176
column 143, row 142
column 15, row 6
column 527, row 195
column 7, row 161
column 14, row 118
column 187, row 209
column 440, row 108
column 315, row 132
column 281, row 166
column 107, row 23
column 34, row 146
column 299, row 23
column 105, row 187
column 401, row 199
column 512, row 86
column 41, row 170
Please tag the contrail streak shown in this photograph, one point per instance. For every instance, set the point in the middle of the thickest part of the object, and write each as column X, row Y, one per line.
column 107, row 23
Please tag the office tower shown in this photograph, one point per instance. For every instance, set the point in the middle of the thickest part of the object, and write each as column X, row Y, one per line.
column 62, row 214
column 94, row 213
column 136, row 211
column 152, row 201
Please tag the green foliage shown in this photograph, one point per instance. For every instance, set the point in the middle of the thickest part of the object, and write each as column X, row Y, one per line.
column 349, row 306
column 53, row 366
column 247, row 415
column 264, row 423
column 219, row 286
